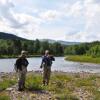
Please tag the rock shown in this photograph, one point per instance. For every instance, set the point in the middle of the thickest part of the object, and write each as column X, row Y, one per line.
column 33, row 95
column 9, row 89
column 99, row 89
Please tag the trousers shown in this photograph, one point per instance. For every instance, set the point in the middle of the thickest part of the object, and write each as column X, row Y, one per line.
column 22, row 77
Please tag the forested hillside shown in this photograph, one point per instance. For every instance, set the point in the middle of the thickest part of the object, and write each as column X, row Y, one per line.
column 89, row 49
column 11, row 45
column 9, row 36
column 35, row 47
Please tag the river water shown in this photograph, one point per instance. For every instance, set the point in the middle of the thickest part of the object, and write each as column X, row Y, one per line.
column 7, row 65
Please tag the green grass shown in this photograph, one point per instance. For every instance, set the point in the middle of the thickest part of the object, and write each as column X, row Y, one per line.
column 4, row 96
column 6, row 83
column 58, row 85
column 62, row 85
column 33, row 82
column 84, row 82
column 66, row 97
column 79, row 58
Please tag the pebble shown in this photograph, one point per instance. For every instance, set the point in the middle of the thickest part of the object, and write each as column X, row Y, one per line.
column 9, row 89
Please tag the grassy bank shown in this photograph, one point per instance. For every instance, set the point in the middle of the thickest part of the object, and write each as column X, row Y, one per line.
column 78, row 58
column 68, row 86
column 63, row 86
column 7, row 81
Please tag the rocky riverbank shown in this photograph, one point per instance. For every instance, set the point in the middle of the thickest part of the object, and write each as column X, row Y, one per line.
column 63, row 86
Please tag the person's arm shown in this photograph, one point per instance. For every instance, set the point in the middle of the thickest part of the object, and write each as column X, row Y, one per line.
column 27, row 62
column 42, row 62
column 16, row 65
column 52, row 58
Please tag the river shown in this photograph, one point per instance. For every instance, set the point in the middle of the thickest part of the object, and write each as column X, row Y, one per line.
column 7, row 65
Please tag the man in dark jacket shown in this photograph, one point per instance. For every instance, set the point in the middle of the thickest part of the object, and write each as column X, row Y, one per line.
column 21, row 66
column 46, row 65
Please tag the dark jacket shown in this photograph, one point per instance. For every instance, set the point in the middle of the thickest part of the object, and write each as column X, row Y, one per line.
column 21, row 62
column 47, row 60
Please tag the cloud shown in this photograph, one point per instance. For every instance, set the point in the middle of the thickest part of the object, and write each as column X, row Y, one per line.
column 90, row 11
column 74, row 20
column 92, row 16
column 17, row 23
column 7, row 14
column 83, row 37
column 74, row 10
column 49, row 15
column 26, row 25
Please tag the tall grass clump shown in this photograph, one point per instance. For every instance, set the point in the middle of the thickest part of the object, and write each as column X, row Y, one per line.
column 34, row 82
column 6, row 83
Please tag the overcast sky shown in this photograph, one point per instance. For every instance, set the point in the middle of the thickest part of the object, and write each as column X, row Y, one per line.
column 69, row 20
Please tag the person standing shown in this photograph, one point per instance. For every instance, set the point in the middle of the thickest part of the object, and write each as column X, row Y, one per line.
column 46, row 65
column 21, row 67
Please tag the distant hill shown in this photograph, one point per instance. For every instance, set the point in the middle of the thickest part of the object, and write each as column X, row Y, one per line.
column 9, row 36
column 60, row 41
column 68, row 43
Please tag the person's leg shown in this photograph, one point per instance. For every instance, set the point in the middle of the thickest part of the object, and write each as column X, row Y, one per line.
column 20, row 82
column 44, row 75
column 23, row 76
column 23, row 80
column 48, row 74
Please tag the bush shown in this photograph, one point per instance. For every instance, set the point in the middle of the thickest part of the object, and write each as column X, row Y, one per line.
column 34, row 82
column 6, row 83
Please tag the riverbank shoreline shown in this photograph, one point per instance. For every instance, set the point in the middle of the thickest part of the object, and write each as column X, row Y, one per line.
column 83, row 59
column 16, row 56
column 29, row 56
column 53, row 72
column 63, row 86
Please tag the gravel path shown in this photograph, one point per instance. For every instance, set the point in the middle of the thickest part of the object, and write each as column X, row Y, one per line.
column 29, row 95
column 83, row 94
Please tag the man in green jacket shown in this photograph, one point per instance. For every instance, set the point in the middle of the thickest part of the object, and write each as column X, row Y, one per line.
column 21, row 66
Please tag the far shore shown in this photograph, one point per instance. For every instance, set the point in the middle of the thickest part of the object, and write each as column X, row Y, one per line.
column 16, row 56
column 84, row 59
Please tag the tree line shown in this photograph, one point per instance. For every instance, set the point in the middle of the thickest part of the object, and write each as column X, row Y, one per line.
column 89, row 49
column 12, row 47
column 35, row 47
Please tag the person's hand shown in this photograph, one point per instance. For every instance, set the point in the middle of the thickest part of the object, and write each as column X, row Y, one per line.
column 16, row 70
column 41, row 66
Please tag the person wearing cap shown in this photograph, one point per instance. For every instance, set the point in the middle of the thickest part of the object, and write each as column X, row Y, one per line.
column 46, row 65
column 21, row 67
